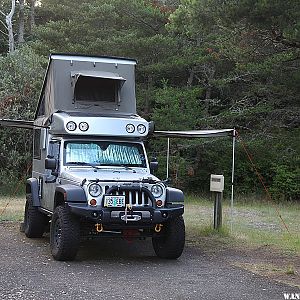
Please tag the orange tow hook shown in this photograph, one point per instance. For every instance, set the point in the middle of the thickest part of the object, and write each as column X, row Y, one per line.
column 158, row 227
column 99, row 227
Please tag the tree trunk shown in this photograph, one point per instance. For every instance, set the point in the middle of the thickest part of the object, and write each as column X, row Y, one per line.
column 21, row 22
column 191, row 77
column 8, row 19
column 32, row 15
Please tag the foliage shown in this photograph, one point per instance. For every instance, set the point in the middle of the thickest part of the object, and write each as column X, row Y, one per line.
column 202, row 64
column 286, row 183
column 21, row 78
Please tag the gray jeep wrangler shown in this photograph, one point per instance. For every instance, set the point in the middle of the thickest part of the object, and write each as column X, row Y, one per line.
column 90, row 175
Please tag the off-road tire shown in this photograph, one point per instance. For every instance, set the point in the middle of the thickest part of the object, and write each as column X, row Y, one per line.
column 169, row 243
column 34, row 221
column 64, row 234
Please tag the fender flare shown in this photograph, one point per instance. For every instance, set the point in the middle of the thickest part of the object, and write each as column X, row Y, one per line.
column 32, row 187
column 174, row 195
column 70, row 193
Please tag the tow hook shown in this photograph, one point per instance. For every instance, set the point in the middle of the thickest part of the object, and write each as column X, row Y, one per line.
column 99, row 227
column 158, row 227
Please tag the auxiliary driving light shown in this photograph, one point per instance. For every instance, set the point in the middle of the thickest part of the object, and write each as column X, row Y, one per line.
column 71, row 126
column 141, row 128
column 93, row 202
column 83, row 126
column 130, row 128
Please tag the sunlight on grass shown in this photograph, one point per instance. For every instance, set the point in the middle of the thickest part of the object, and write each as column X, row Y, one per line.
column 254, row 223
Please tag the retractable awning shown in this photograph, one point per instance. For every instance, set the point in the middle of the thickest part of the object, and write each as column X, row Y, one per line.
column 19, row 124
column 203, row 134
column 195, row 133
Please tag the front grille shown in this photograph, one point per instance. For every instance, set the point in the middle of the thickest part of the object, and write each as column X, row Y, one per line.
column 133, row 198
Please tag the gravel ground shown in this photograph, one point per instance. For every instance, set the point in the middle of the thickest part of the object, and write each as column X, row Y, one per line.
column 118, row 269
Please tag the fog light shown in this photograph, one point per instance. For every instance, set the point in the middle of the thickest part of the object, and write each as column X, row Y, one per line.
column 164, row 215
column 93, row 202
column 95, row 214
column 159, row 203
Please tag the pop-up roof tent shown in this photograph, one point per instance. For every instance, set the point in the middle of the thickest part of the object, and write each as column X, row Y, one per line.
column 88, row 84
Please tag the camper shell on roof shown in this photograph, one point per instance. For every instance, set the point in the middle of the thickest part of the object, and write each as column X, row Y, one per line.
column 90, row 173
column 88, row 84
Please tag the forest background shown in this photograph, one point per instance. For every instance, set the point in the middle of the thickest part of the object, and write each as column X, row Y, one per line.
column 202, row 64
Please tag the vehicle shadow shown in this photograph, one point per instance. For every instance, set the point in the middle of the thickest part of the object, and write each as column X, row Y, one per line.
column 113, row 249
column 118, row 248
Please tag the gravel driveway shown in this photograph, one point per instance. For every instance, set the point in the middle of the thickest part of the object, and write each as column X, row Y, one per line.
column 119, row 269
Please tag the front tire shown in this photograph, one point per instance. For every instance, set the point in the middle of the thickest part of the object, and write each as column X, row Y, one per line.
column 64, row 234
column 34, row 221
column 170, row 242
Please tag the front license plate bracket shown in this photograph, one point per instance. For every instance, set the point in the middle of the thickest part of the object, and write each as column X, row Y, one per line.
column 114, row 201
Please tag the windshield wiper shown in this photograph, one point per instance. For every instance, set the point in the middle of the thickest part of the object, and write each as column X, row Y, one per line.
column 82, row 163
column 122, row 166
column 128, row 168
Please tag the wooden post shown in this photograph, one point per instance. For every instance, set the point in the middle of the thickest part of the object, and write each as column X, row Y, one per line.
column 218, row 210
column 217, row 187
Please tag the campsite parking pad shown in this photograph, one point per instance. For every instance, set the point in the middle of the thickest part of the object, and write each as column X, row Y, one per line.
column 118, row 269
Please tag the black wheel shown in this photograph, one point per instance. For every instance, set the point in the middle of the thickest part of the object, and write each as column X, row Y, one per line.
column 34, row 221
column 64, row 234
column 170, row 241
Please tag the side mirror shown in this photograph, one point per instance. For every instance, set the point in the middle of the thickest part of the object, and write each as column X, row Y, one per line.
column 153, row 165
column 50, row 164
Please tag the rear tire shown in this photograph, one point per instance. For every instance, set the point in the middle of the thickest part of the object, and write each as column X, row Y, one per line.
column 64, row 234
column 170, row 242
column 34, row 221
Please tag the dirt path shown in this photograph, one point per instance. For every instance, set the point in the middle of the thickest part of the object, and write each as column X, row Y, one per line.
column 121, row 270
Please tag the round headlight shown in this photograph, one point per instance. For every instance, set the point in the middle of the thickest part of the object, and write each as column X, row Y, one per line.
column 130, row 128
column 71, row 126
column 83, row 126
column 95, row 190
column 157, row 190
column 141, row 128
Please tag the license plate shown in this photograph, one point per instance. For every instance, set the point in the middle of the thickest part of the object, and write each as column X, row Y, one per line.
column 114, row 201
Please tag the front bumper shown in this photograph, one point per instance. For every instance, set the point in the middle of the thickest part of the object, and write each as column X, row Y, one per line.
column 137, row 216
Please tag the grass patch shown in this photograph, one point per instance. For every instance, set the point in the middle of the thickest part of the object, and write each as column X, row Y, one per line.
column 255, row 223
column 12, row 208
column 290, row 270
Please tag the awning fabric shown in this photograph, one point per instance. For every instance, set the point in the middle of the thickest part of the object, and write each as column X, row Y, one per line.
column 195, row 133
column 19, row 124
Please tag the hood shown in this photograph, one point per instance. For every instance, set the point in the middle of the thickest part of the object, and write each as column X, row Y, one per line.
column 77, row 175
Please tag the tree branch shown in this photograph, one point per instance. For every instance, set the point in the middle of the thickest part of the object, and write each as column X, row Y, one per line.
column 3, row 24
column 140, row 20
column 278, row 37
column 3, row 32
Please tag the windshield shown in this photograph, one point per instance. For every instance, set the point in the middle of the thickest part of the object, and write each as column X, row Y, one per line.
column 104, row 153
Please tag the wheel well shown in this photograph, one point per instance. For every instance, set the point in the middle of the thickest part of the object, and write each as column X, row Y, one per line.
column 28, row 188
column 59, row 199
